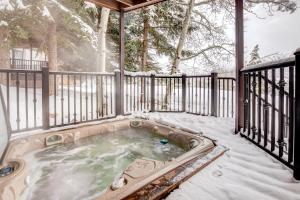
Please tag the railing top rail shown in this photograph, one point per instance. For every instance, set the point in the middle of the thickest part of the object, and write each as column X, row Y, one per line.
column 12, row 59
column 81, row 73
column 19, row 71
column 138, row 75
column 287, row 62
column 227, row 78
column 199, row 76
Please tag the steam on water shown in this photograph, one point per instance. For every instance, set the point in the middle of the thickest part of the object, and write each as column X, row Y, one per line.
column 83, row 170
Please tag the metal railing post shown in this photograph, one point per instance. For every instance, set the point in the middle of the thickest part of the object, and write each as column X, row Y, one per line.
column 45, row 97
column 297, row 117
column 118, row 98
column 152, row 87
column 183, row 92
column 214, row 94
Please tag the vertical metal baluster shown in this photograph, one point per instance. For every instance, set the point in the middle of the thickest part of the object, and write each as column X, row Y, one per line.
column 291, row 116
column 26, row 98
column 254, row 129
column 8, row 95
column 189, row 95
column 18, row 100
column 86, row 99
column 69, row 112
column 232, row 98
column 281, row 113
column 130, row 94
column 219, row 97
column 200, row 99
column 102, row 99
column 196, row 95
column 54, row 90
column 111, row 95
column 106, row 96
column 126, row 93
column 92, row 98
column 259, row 108
column 249, row 104
column 74, row 87
column 273, row 111
column 163, row 90
column 204, row 96
column 134, row 94
column 246, row 101
column 208, row 95
column 227, row 100
column 80, row 84
column 62, row 99
column 170, row 89
column 223, row 99
column 138, row 93
column 145, row 92
column 147, row 87
column 174, row 96
column 35, row 100
column 97, row 97
column 192, row 100
column 178, row 92
column 266, row 109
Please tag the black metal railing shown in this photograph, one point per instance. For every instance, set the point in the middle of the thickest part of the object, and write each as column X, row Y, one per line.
column 168, row 93
column 137, row 91
column 22, row 64
column 43, row 99
column 199, row 95
column 80, row 97
column 226, row 96
column 22, row 98
column 269, row 104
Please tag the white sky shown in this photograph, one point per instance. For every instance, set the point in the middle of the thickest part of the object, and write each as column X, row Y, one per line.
column 274, row 34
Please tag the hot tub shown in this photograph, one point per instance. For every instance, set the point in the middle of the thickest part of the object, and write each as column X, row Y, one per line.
column 122, row 159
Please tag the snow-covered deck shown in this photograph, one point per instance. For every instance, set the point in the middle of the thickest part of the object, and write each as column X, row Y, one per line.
column 244, row 172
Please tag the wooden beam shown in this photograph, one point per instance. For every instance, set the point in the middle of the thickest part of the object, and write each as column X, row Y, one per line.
column 113, row 5
column 239, row 47
column 141, row 5
column 126, row 2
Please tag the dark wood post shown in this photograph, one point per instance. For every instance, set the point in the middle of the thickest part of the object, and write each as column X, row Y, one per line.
column 45, row 97
column 122, row 60
column 297, row 118
column 239, row 46
column 183, row 92
column 214, row 94
column 118, row 101
column 152, row 87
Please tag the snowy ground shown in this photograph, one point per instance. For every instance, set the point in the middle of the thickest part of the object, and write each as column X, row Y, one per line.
column 244, row 172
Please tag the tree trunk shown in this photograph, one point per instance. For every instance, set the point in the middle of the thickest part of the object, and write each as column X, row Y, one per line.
column 52, row 46
column 178, row 55
column 101, row 58
column 52, row 53
column 145, row 51
column 4, row 52
column 102, row 29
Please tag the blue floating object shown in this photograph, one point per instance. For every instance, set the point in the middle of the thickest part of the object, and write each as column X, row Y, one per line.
column 164, row 141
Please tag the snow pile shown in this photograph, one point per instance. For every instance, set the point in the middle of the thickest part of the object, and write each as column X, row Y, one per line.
column 46, row 13
column 89, row 5
column 5, row 5
column 3, row 23
column 244, row 172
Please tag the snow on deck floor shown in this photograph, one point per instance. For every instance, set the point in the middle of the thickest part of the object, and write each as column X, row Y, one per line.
column 244, row 172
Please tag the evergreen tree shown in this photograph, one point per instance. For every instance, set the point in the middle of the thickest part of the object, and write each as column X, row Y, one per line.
column 254, row 56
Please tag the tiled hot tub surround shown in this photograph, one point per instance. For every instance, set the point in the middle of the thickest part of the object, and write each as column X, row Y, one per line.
column 138, row 174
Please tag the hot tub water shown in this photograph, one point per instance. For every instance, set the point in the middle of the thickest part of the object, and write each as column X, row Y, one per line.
column 83, row 170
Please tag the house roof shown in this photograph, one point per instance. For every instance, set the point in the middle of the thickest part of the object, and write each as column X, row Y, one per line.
column 125, row 5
